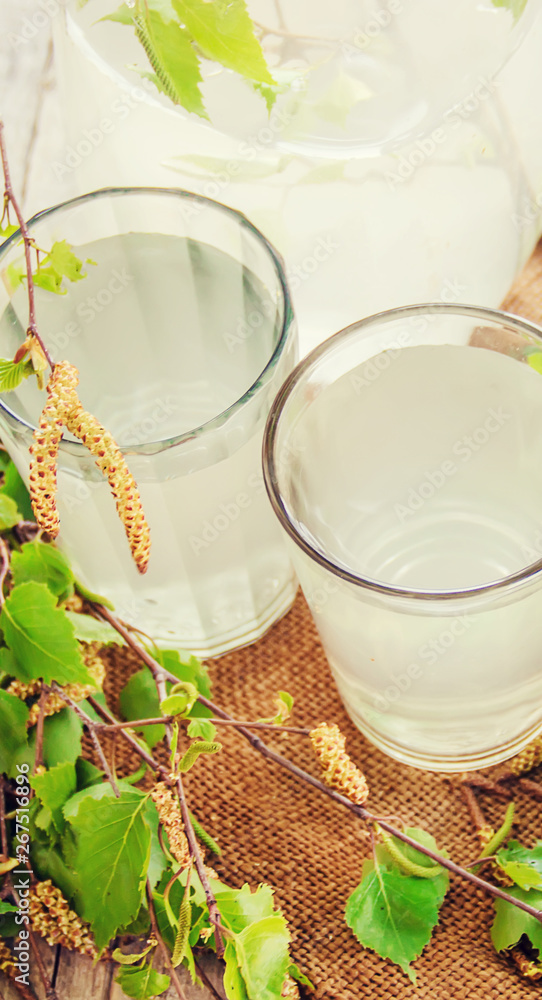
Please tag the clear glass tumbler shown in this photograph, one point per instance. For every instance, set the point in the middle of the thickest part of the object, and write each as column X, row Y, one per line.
column 404, row 460
column 182, row 332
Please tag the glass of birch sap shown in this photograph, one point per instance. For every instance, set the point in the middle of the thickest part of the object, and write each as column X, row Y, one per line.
column 182, row 331
column 404, row 459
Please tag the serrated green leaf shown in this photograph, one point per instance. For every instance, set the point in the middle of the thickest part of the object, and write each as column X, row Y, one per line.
column 224, row 32
column 510, row 922
column 12, row 374
column 41, row 637
column 8, row 927
column 123, row 959
column 62, row 258
column 89, row 629
column 185, row 667
column 43, row 564
column 7, row 907
column 142, row 983
column 62, row 735
column 13, row 734
column 54, row 788
column 49, row 861
column 9, row 513
column 174, row 61
column 262, row 953
column 241, row 907
column 201, row 728
column 522, row 864
column 14, row 487
column 234, row 984
column 139, row 700
column 15, row 274
column 50, row 280
column 112, row 857
column 392, row 913
column 87, row 774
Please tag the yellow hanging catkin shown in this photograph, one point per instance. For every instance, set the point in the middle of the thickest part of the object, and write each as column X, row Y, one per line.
column 77, row 692
column 64, row 409
column 51, row 916
column 169, row 812
column 340, row 772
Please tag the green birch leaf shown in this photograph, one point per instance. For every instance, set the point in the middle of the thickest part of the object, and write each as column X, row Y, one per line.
column 54, row 788
column 142, row 983
column 240, row 907
column 394, row 914
column 186, row 668
column 49, row 861
column 12, row 374
column 234, row 984
column 43, row 564
column 262, row 952
column 139, row 700
column 224, row 32
column 50, row 280
column 112, row 855
column 89, row 629
column 41, row 637
column 87, row 774
column 13, row 734
column 13, row 486
column 522, row 864
column 201, row 728
column 62, row 258
column 174, row 61
column 9, row 513
column 510, row 923
column 62, row 735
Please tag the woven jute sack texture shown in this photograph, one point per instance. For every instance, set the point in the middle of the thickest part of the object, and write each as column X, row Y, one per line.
column 273, row 828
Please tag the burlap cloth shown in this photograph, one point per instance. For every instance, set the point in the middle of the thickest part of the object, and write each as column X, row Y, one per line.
column 275, row 829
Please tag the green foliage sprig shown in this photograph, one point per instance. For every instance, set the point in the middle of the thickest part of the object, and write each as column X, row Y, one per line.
column 177, row 35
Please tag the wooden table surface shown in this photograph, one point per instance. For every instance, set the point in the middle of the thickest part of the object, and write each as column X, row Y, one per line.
column 31, row 111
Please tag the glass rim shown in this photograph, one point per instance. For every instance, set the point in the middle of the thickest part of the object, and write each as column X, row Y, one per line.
column 309, row 364
column 264, row 376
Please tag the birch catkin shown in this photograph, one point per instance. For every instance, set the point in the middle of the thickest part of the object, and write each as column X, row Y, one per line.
column 64, row 409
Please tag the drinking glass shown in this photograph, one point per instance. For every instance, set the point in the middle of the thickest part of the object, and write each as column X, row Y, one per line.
column 182, row 332
column 404, row 460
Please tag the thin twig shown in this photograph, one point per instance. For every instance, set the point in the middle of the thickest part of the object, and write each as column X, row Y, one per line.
column 4, row 568
column 163, row 947
column 91, row 729
column 164, row 719
column 531, row 787
column 474, row 807
column 40, row 731
column 27, row 241
column 107, row 715
column 214, row 913
column 288, row 765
